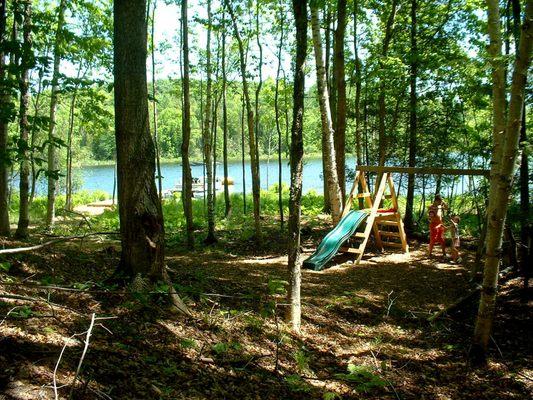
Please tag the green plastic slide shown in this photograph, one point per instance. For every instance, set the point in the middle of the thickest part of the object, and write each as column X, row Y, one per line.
column 334, row 239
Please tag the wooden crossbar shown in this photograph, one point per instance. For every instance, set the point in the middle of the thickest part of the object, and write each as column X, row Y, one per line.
column 424, row 170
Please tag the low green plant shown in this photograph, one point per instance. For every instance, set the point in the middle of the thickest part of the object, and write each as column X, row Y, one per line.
column 363, row 377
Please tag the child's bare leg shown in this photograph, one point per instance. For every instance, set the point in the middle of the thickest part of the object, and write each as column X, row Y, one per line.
column 444, row 249
column 430, row 248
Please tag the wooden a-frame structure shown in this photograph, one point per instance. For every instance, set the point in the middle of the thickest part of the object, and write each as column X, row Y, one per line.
column 386, row 225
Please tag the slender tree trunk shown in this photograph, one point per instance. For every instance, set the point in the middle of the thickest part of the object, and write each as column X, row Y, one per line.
column 340, row 104
column 358, row 144
column 227, row 200
column 207, row 138
column 4, row 161
column 26, row 60
column 294, row 312
column 502, row 177
column 409, row 226
column 52, row 154
column 327, row 128
column 243, row 157
column 260, row 83
column 186, row 191
column 524, row 165
column 331, row 97
column 154, row 110
column 33, row 138
column 383, row 140
column 277, row 113
column 254, row 159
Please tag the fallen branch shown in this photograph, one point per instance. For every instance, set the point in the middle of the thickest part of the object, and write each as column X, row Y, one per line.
column 52, row 242
column 85, row 348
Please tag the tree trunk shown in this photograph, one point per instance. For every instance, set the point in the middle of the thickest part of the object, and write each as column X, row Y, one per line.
column 327, row 128
column 502, row 178
column 4, row 161
column 358, row 144
column 141, row 217
column 294, row 311
column 26, row 61
column 254, row 159
column 409, row 225
column 186, row 191
column 154, row 110
column 52, row 155
column 340, row 104
column 382, row 134
column 277, row 113
column 207, row 138
column 243, row 157
column 227, row 201
column 524, row 165
column 259, row 84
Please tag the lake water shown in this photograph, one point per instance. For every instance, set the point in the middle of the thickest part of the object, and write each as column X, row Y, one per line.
column 102, row 177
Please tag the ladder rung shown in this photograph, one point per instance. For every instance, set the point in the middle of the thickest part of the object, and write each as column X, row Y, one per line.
column 349, row 250
column 364, row 194
column 389, row 234
column 360, row 235
column 387, row 223
column 393, row 244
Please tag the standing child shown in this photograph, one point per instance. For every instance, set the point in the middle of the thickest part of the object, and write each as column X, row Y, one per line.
column 456, row 241
column 436, row 226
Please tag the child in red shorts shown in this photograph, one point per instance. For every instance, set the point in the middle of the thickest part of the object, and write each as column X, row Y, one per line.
column 436, row 226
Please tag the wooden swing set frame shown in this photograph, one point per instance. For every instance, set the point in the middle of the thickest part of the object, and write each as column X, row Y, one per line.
column 386, row 225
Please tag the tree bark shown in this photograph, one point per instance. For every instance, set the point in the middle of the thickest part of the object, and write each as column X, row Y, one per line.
column 524, row 165
column 260, row 83
column 277, row 113
column 141, row 217
column 4, row 161
column 340, row 104
column 26, row 62
column 358, row 142
column 154, row 110
column 294, row 311
column 325, row 114
column 227, row 200
column 413, row 98
column 382, row 134
column 254, row 159
column 501, row 178
column 186, row 190
column 54, row 97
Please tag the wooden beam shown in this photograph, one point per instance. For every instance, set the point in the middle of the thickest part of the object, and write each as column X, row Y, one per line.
column 423, row 170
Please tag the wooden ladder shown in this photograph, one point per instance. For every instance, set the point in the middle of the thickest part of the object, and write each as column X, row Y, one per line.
column 375, row 220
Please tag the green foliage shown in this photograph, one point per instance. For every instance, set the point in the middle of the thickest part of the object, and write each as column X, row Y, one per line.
column 297, row 384
column 302, row 358
column 5, row 266
column 363, row 377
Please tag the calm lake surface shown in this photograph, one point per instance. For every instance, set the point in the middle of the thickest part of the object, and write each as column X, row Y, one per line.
column 102, row 177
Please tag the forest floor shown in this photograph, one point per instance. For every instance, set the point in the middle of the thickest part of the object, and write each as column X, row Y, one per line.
column 365, row 332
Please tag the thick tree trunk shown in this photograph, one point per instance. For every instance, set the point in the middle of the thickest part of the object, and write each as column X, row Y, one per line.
column 186, row 191
column 409, row 225
column 294, row 311
column 340, row 106
column 54, row 97
column 327, row 128
column 141, row 217
column 207, row 138
column 382, row 134
column 254, row 159
column 227, row 200
column 260, row 83
column 501, row 178
column 26, row 60
column 278, row 116
column 4, row 162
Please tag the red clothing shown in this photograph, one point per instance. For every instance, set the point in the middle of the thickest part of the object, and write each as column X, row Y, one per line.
column 436, row 233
